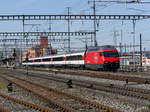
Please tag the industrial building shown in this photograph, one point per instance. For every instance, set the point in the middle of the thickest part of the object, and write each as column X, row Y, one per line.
column 131, row 60
column 43, row 49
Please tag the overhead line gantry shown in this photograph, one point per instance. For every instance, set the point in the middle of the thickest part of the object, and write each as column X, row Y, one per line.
column 123, row 2
column 72, row 17
column 45, row 33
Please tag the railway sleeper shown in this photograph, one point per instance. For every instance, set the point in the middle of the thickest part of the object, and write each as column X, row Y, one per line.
column 2, row 109
column 77, row 98
column 64, row 108
column 26, row 103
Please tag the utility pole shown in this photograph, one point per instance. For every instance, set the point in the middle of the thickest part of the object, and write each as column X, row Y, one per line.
column 121, row 43
column 68, row 11
column 121, row 36
column 50, row 29
column 134, row 23
column 94, row 13
column 4, row 45
column 94, row 21
column 26, row 46
column 111, row 1
column 37, row 30
column 115, row 34
column 23, row 28
column 120, row 49
column 125, row 49
column 141, row 54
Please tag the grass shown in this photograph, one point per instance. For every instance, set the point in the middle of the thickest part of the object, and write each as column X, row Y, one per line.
column 148, row 108
column 2, row 86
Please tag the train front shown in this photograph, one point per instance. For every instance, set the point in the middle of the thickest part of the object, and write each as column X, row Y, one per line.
column 103, row 58
column 110, row 59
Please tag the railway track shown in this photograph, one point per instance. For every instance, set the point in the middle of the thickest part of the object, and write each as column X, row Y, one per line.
column 24, row 103
column 116, row 89
column 48, row 93
column 95, row 74
column 2, row 109
column 27, row 86
column 103, row 75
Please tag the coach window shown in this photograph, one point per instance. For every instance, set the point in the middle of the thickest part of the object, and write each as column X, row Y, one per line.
column 47, row 59
column 78, row 57
column 29, row 60
column 69, row 58
column 58, row 59
column 37, row 60
column 101, row 54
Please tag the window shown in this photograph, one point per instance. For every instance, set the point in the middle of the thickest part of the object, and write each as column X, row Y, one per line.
column 27, row 61
column 109, row 54
column 58, row 59
column 46, row 59
column 77, row 57
column 23, row 61
column 37, row 60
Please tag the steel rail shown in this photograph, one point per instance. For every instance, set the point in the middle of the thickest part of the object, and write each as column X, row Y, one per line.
column 94, row 74
column 41, row 94
column 87, row 83
column 122, row 90
column 3, row 109
column 105, row 76
column 84, row 101
column 27, row 104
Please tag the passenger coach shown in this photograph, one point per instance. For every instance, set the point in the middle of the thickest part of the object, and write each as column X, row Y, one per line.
column 96, row 58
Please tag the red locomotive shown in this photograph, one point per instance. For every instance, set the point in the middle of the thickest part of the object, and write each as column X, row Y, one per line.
column 96, row 58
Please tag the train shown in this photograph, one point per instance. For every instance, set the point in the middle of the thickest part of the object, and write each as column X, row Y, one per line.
column 95, row 58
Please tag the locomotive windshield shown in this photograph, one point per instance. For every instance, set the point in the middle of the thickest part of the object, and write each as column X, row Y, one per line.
column 109, row 54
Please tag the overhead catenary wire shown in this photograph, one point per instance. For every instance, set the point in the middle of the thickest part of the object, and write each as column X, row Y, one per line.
column 124, row 2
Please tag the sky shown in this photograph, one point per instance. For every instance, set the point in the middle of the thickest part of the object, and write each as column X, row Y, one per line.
column 106, row 29
column 36, row 6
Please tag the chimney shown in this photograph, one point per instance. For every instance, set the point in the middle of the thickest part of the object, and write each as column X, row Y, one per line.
column 44, row 41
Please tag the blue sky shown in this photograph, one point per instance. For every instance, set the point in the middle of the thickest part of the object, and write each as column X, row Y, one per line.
column 37, row 6
column 106, row 29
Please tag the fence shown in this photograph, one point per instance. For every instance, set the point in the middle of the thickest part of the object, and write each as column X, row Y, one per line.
column 134, row 68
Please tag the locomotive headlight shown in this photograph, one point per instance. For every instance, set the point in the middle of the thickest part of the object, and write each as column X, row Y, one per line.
column 105, row 61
